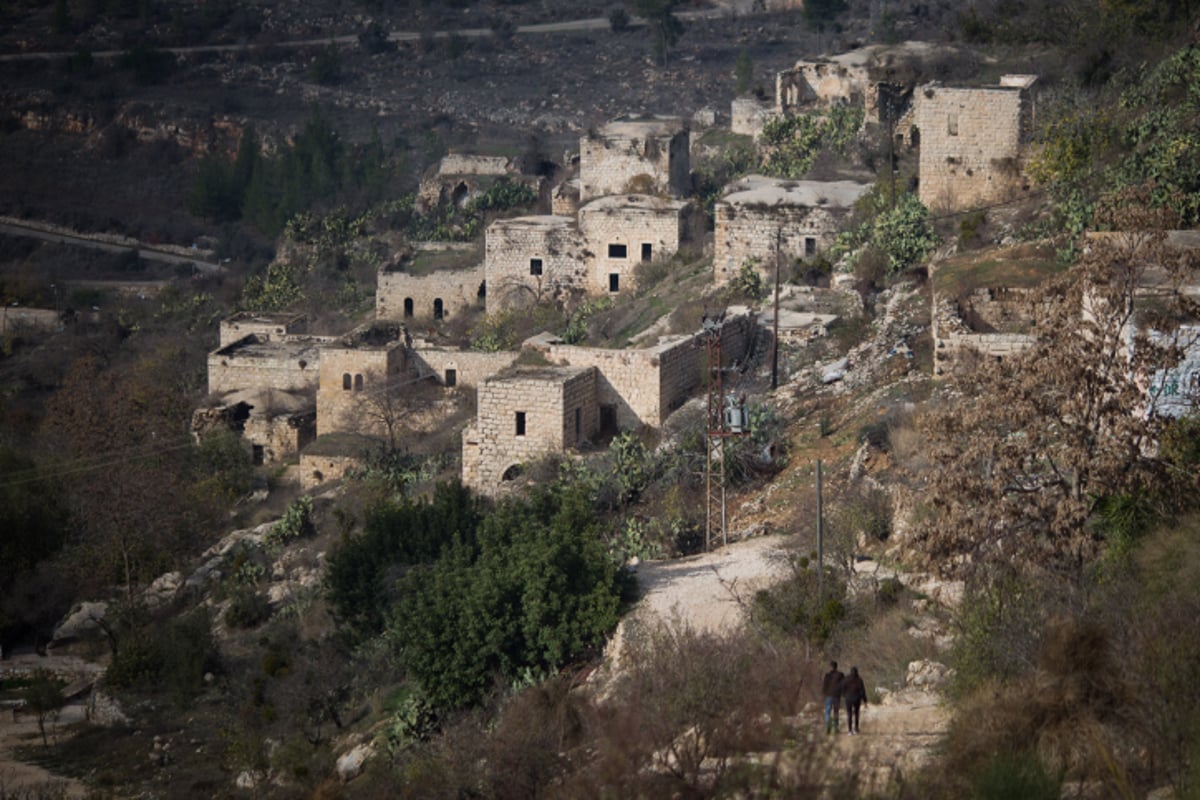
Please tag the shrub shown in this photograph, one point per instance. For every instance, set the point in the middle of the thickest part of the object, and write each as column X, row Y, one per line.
column 248, row 609
column 618, row 20
column 904, row 234
column 297, row 522
column 173, row 655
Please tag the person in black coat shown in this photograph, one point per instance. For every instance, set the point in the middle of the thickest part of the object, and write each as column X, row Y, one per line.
column 831, row 688
column 854, row 691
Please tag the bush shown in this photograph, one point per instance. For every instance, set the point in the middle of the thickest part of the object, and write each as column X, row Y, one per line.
column 248, row 609
column 904, row 234
column 296, row 523
column 173, row 655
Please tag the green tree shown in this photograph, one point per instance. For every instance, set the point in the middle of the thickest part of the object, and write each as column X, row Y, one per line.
column 743, row 71
column 536, row 590
column 666, row 27
column 904, row 234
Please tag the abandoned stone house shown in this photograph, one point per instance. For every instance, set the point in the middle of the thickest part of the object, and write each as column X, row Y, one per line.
column 761, row 220
column 404, row 294
column 359, row 374
column 973, row 142
column 532, row 412
column 636, row 155
column 276, row 425
column 461, row 177
column 530, row 259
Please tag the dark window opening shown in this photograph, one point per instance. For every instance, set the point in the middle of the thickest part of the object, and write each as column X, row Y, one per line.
column 439, row 310
column 318, row 475
column 618, row 251
column 614, row 282
column 578, row 424
column 810, row 246
column 257, row 454
column 647, row 251
column 535, row 266
column 358, row 383
column 512, row 473
column 408, row 307
column 241, row 413
column 346, row 381
column 451, row 377
column 482, row 293
column 520, row 423
column 608, row 419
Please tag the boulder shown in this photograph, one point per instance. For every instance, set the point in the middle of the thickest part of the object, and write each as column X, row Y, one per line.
column 351, row 764
column 81, row 622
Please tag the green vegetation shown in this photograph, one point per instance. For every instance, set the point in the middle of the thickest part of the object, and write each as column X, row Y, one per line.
column 792, row 143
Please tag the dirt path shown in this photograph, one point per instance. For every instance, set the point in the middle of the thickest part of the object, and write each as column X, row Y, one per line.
column 20, row 779
column 703, row 591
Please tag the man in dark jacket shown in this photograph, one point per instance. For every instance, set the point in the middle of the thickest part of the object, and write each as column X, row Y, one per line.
column 855, row 693
column 831, row 688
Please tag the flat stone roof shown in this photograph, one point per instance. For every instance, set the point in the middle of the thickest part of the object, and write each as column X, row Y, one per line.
column 759, row 190
column 546, row 374
column 296, row 348
column 265, row 317
column 543, row 221
column 633, row 202
column 636, row 127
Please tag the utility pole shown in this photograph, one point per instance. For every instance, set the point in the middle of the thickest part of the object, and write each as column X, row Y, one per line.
column 775, row 331
column 820, row 541
column 721, row 422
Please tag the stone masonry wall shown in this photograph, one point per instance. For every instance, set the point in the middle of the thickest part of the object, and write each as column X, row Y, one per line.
column 282, row 437
column 290, row 368
column 470, row 368
column 971, row 144
column 512, row 245
column 547, row 401
column 352, row 378
column 609, row 163
column 645, row 386
column 952, row 338
column 459, row 290
column 743, row 232
column 647, row 228
column 748, row 115
column 266, row 327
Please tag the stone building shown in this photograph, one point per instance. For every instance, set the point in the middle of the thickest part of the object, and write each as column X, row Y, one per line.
column 461, row 177
column 972, row 142
column 275, row 425
column 530, row 259
column 453, row 367
column 401, row 295
column 265, row 326
column 362, row 377
column 533, row 412
column 748, row 115
column 622, row 231
column 760, row 219
column 641, row 155
column 255, row 362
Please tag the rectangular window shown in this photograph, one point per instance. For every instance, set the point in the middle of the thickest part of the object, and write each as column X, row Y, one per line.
column 614, row 282
column 257, row 454
column 578, row 424
column 952, row 124
column 451, row 377
column 647, row 251
column 535, row 266
column 520, row 423
column 810, row 246
column 618, row 251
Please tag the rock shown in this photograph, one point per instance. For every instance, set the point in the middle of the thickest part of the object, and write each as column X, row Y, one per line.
column 80, row 622
column 927, row 674
column 163, row 589
column 351, row 764
column 104, row 710
column 248, row 779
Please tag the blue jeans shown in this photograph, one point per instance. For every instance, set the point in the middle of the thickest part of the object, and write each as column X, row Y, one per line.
column 831, row 714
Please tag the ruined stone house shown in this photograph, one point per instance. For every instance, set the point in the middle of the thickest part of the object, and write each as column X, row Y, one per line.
column 636, row 155
column 761, row 220
column 404, row 294
column 275, row 425
column 525, row 415
column 531, row 413
column 361, row 373
column 461, row 177
column 533, row 259
column 622, row 231
column 973, row 142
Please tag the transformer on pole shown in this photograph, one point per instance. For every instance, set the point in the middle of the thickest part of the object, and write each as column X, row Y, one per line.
column 726, row 417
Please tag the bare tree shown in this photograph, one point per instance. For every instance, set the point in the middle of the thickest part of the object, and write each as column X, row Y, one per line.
column 1033, row 444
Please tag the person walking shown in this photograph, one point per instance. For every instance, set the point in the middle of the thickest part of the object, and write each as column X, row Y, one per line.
column 855, row 693
column 831, row 688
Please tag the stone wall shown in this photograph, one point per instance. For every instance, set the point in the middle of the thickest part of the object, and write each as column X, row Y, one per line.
column 521, row 417
column 971, row 142
column 266, row 327
column 355, row 381
column 29, row 319
column 642, row 387
column 623, row 231
column 789, row 219
column 748, row 115
column 459, row 367
column 318, row 469
column 281, row 437
column 645, row 155
column 953, row 338
column 444, row 293
column 252, row 363
column 530, row 259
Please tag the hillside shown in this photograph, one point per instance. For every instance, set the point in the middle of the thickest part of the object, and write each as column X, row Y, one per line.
column 453, row 505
